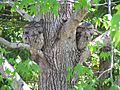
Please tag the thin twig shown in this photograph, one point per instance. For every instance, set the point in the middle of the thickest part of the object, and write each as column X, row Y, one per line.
column 112, row 48
column 104, row 73
column 104, row 4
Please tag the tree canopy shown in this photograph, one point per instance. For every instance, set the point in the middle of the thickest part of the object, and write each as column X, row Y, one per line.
column 101, row 67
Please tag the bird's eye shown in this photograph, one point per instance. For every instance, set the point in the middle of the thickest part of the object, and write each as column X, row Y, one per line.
column 25, row 38
column 39, row 32
column 26, row 32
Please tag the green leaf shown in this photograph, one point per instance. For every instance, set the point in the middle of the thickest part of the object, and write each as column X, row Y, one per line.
column 12, row 61
column 31, row 1
column 35, row 67
column 69, row 68
column 118, row 9
column 77, row 5
column 32, row 9
column 9, row 80
column 98, row 21
column 1, row 6
column 96, row 1
column 8, row 71
column 1, row 61
column 90, row 72
column 115, row 22
column 24, row 2
column 75, row 87
column 69, row 73
column 5, row 87
column 92, row 47
column 55, row 9
column 115, row 38
column 115, row 29
column 105, row 54
column 106, row 21
column 80, row 4
column 115, row 87
column 79, row 69
column 88, row 86
column 13, row 9
column 1, row 78
column 3, row 51
column 80, row 87
column 44, row 7
column 84, row 3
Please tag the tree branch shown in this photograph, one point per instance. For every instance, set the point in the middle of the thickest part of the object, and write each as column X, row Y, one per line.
column 104, row 4
column 24, row 14
column 18, row 83
column 71, row 25
column 13, row 45
column 104, row 73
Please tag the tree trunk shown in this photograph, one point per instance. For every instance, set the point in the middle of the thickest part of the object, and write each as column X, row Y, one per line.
column 60, row 52
column 59, row 49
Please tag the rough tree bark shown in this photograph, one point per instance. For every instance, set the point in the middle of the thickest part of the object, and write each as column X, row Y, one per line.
column 60, row 52
column 59, row 49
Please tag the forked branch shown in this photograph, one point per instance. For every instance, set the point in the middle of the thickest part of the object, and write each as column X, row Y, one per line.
column 73, row 22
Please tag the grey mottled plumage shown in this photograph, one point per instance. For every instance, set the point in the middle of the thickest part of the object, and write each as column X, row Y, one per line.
column 33, row 35
column 83, row 35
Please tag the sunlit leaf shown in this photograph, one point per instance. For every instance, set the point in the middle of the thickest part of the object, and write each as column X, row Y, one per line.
column 118, row 9
column 115, row 22
column 115, row 87
column 1, row 6
column 80, row 87
column 90, row 87
column 1, row 61
column 96, row 1
column 69, row 73
column 115, row 28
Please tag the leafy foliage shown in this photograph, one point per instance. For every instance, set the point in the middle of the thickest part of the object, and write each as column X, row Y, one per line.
column 11, row 24
column 115, row 27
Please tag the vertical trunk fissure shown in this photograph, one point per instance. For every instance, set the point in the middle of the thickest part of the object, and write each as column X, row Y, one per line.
column 59, row 47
